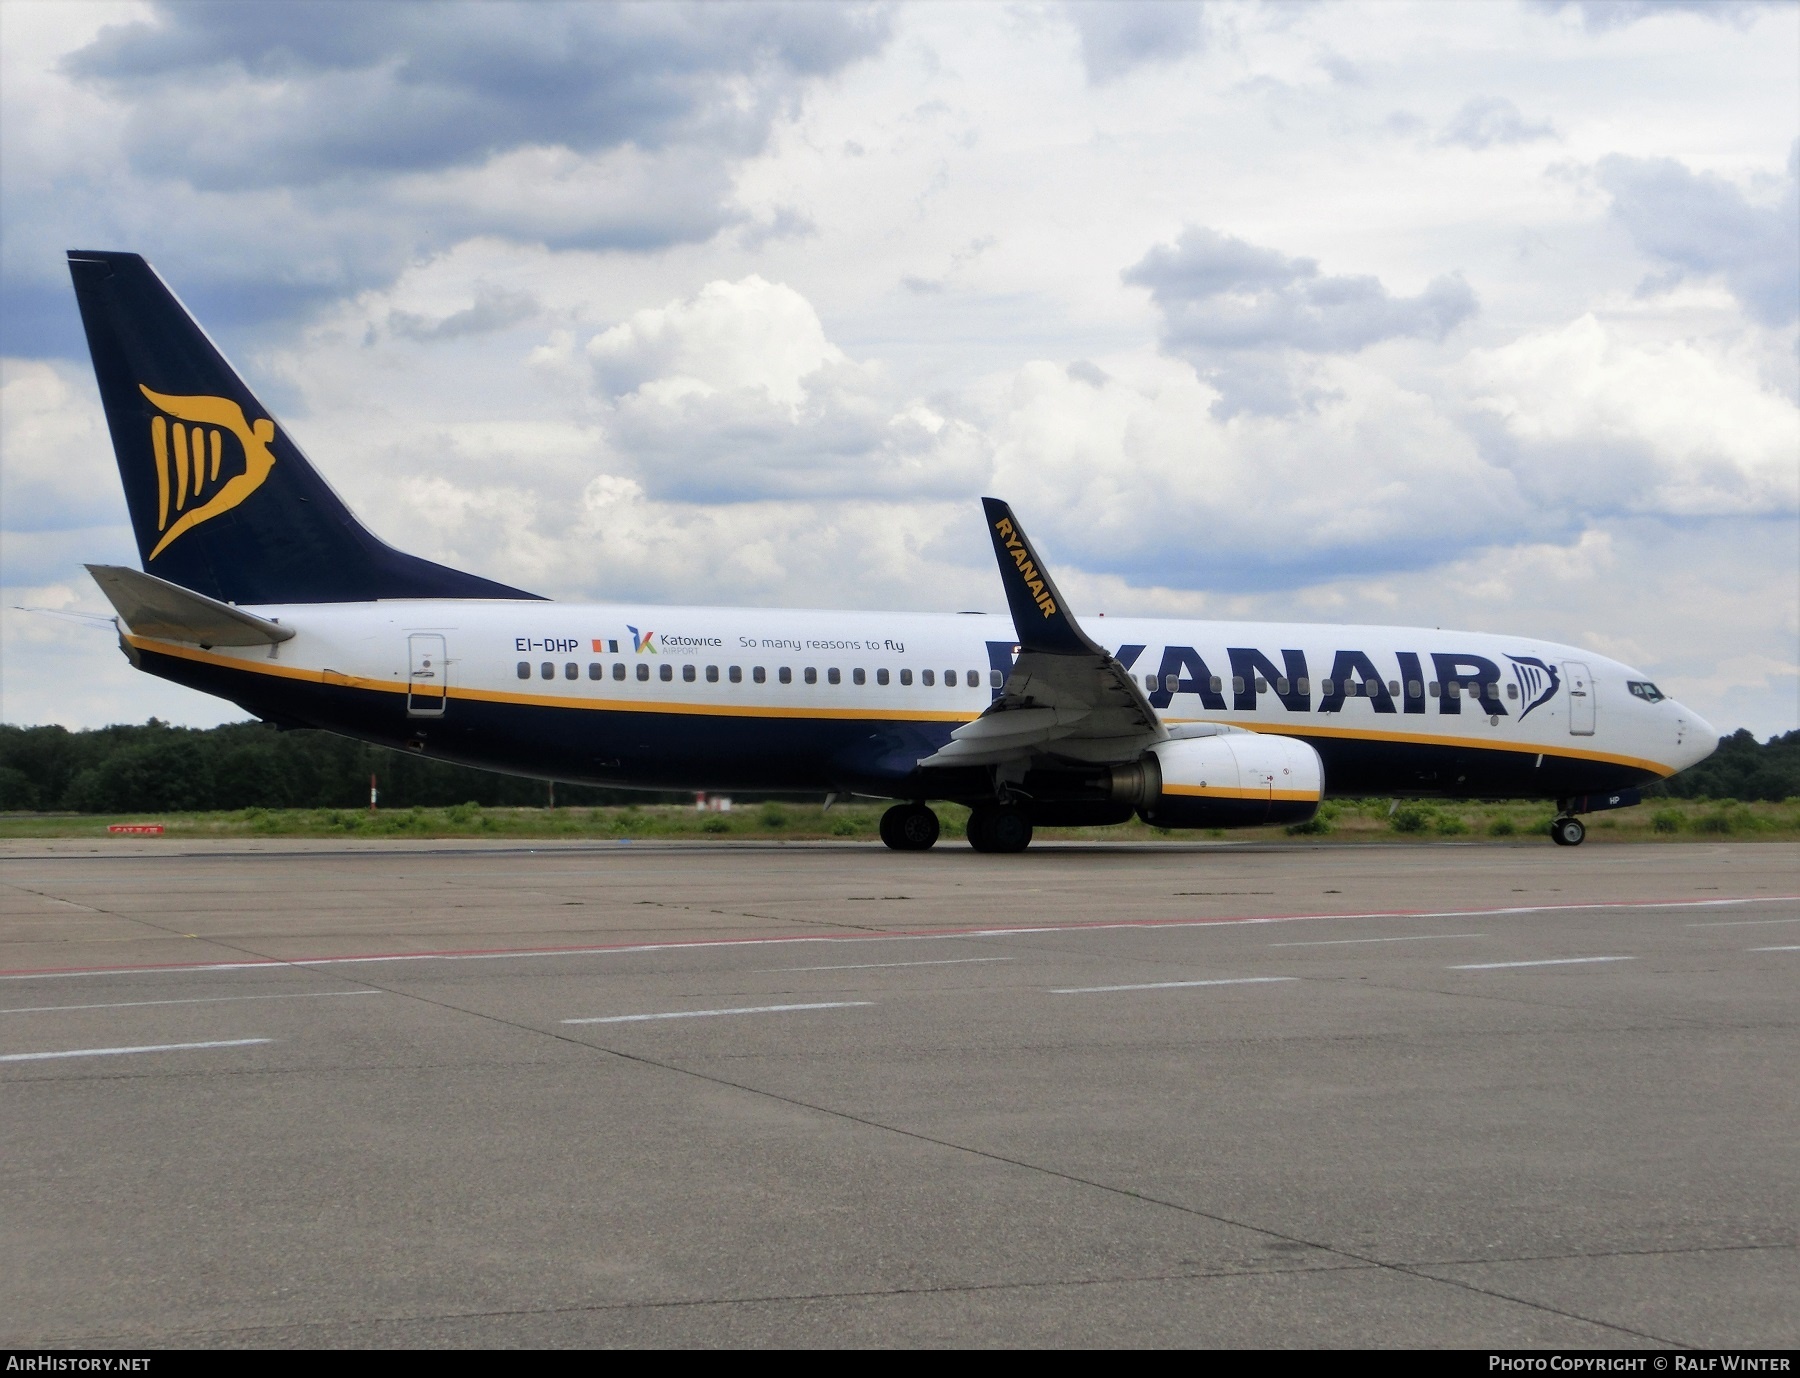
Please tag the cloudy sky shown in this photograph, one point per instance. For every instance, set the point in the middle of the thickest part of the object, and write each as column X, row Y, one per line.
column 1477, row 315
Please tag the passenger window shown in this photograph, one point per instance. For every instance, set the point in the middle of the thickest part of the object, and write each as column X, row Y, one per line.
column 619, row 670
column 1150, row 683
column 1431, row 690
column 1281, row 686
column 1412, row 688
column 759, row 674
column 857, row 676
column 1394, row 688
column 927, row 678
column 1454, row 689
column 996, row 680
column 906, row 676
column 812, row 675
column 1237, row 684
column 1325, row 687
column 833, row 677
column 643, row 670
column 881, row 676
column 665, row 673
column 571, row 671
column 735, row 674
column 949, row 679
column 596, row 670
column 524, row 669
column 1217, row 684
column 1262, row 685
column 785, row 675
column 712, row 674
column 1303, row 686
column 547, row 670
column 974, row 679
column 1171, row 682
column 1512, row 691
column 689, row 674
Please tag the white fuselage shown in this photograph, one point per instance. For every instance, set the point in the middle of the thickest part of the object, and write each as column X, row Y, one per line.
column 433, row 662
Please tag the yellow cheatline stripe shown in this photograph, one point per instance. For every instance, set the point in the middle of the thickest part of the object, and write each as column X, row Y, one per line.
column 338, row 680
column 1413, row 739
column 1222, row 792
column 332, row 677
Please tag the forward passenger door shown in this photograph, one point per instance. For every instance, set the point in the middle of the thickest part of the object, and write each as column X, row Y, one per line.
column 1581, row 698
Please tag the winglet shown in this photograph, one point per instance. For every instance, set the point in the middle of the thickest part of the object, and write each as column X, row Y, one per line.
column 1040, row 616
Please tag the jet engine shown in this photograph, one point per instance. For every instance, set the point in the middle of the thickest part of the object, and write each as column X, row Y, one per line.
column 1233, row 780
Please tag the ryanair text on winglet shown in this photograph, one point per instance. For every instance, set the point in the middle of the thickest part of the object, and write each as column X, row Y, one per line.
column 1027, row 570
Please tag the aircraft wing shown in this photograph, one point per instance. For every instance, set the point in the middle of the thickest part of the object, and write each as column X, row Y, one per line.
column 1066, row 697
column 154, row 607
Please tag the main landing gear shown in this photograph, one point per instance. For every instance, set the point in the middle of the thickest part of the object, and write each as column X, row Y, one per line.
column 909, row 828
column 999, row 828
column 1567, row 832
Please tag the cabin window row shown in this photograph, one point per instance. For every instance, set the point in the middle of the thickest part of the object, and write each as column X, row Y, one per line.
column 1454, row 689
column 758, row 674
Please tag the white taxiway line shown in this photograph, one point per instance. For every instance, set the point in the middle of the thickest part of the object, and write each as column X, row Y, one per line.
column 201, row 1000
column 1405, row 938
column 1542, row 962
column 872, row 966
column 148, row 1048
column 1177, row 985
column 1737, row 923
column 1795, row 948
column 707, row 1014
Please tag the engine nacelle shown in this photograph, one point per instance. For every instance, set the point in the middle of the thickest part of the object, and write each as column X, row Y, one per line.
column 1233, row 780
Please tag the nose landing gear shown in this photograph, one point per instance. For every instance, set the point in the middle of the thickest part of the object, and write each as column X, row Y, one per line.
column 1567, row 832
column 909, row 828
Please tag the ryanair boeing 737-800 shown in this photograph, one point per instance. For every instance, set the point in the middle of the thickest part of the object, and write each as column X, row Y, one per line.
column 258, row 585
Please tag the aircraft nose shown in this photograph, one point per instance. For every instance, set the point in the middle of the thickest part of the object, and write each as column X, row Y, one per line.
column 1698, row 738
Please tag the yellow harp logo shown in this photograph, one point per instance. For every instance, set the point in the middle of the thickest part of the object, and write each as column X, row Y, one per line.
column 190, row 455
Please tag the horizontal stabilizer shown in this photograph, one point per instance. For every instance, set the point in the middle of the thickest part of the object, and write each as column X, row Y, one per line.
column 154, row 607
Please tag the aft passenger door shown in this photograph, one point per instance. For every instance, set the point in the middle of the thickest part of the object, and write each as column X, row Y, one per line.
column 427, row 680
column 1581, row 698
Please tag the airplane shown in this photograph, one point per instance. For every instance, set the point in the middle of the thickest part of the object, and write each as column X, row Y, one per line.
column 259, row 586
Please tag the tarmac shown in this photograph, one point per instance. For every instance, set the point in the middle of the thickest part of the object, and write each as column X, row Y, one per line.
column 274, row 1094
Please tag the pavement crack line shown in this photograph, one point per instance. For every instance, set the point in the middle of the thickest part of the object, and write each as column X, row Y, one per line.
column 1350, row 1256
column 756, row 1299
column 987, row 1155
column 878, row 1293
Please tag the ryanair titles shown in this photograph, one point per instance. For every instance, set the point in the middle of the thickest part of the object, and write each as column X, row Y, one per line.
column 1028, row 570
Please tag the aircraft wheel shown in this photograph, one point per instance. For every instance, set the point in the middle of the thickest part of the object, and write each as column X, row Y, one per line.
column 999, row 829
column 909, row 828
column 1567, row 832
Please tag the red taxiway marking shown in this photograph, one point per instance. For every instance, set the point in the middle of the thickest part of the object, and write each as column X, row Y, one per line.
column 904, row 935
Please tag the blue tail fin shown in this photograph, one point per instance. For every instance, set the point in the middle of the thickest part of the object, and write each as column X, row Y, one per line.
column 222, row 501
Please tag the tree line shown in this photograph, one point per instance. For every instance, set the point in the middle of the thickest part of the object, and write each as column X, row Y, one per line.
column 155, row 767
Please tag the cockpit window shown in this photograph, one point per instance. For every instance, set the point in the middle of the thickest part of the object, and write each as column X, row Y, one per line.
column 1644, row 690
